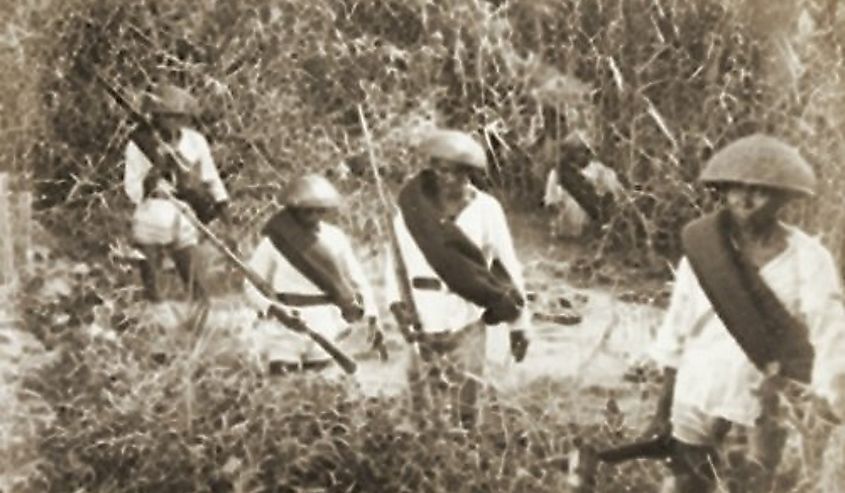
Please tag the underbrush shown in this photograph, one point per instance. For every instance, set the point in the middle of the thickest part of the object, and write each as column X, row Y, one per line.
column 143, row 404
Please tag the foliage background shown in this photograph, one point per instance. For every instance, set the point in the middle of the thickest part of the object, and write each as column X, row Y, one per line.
column 657, row 85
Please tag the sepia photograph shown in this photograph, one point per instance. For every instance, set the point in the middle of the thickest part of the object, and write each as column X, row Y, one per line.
column 401, row 246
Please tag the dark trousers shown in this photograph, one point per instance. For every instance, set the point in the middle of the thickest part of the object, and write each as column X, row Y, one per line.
column 280, row 368
column 185, row 260
column 744, row 461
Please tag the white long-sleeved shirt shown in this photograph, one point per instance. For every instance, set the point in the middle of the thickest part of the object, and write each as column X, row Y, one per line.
column 601, row 177
column 196, row 151
column 272, row 266
column 713, row 373
column 485, row 224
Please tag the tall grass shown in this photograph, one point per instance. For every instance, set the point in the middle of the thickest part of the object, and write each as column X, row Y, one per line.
column 657, row 84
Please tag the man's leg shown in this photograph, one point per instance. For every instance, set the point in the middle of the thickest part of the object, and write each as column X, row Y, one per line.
column 418, row 385
column 186, row 260
column 693, row 468
column 465, row 370
column 148, row 267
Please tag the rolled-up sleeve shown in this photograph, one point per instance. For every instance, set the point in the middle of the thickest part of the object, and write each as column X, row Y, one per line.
column 136, row 168
column 503, row 249
column 196, row 148
column 355, row 272
column 667, row 348
column 825, row 317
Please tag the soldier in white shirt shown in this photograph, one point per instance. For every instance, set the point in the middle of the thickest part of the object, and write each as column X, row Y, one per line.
column 450, row 234
column 152, row 178
column 718, row 351
column 570, row 218
column 311, row 265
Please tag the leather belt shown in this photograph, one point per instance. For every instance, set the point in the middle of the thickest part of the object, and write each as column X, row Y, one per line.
column 427, row 283
column 277, row 367
column 297, row 299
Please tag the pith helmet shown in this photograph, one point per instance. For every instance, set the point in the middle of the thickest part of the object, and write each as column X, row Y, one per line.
column 312, row 191
column 455, row 146
column 171, row 99
column 761, row 160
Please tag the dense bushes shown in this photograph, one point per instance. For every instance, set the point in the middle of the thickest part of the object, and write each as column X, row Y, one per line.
column 140, row 403
column 658, row 85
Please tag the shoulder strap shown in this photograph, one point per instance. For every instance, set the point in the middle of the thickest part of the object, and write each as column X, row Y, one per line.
column 312, row 258
column 458, row 261
column 749, row 309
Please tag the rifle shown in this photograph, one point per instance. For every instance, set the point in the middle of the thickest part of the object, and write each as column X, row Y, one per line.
column 400, row 268
column 291, row 321
column 582, row 463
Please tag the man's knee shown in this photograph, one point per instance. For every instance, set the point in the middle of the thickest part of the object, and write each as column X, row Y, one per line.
column 693, row 467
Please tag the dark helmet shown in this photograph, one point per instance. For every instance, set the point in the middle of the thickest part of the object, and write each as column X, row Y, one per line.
column 761, row 160
column 312, row 191
column 455, row 146
column 170, row 99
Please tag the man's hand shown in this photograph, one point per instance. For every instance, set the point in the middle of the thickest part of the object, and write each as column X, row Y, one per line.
column 222, row 212
column 376, row 338
column 401, row 313
column 290, row 319
column 519, row 344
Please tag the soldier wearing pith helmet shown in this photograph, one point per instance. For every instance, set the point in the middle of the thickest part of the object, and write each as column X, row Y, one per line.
column 456, row 245
column 171, row 159
column 755, row 308
column 311, row 265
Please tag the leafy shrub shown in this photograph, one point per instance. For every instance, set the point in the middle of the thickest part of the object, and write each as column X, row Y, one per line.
column 141, row 404
column 659, row 85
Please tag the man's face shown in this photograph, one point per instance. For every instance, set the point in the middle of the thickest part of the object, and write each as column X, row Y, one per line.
column 452, row 181
column 170, row 122
column 753, row 207
column 310, row 217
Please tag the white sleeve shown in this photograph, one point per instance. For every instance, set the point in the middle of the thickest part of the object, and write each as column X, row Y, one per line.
column 262, row 263
column 136, row 168
column 667, row 348
column 209, row 175
column 503, row 249
column 552, row 194
column 355, row 272
column 825, row 318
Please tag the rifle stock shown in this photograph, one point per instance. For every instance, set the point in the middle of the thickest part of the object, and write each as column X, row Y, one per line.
column 400, row 268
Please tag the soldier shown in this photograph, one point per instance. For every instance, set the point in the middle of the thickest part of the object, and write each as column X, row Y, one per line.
column 311, row 265
column 756, row 307
column 578, row 188
column 152, row 177
column 458, row 252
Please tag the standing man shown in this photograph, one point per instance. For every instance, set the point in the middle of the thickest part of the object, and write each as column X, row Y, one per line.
column 311, row 266
column 153, row 177
column 756, row 308
column 579, row 189
column 459, row 256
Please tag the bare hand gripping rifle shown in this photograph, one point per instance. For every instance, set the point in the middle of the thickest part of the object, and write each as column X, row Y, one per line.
column 291, row 321
column 400, row 269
